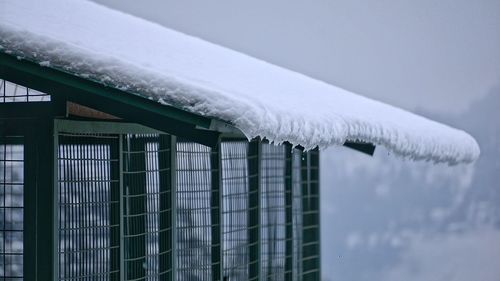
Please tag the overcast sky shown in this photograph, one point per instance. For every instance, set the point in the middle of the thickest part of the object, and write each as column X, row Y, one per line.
column 435, row 55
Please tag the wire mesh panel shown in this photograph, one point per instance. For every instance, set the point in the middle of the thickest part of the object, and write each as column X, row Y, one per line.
column 147, row 207
column 11, row 208
column 11, row 92
column 88, row 170
column 273, row 222
column 144, row 207
column 235, row 210
column 193, row 212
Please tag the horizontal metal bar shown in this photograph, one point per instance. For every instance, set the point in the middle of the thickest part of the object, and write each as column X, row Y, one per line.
column 47, row 78
column 101, row 127
column 32, row 110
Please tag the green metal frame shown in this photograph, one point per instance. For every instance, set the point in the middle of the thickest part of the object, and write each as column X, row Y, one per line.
column 311, row 263
column 41, row 122
column 288, row 213
column 173, row 203
column 39, row 207
column 129, row 106
column 46, row 175
column 216, row 213
column 254, row 216
column 166, row 237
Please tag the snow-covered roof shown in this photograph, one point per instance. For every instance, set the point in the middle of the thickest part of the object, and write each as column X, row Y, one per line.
column 260, row 99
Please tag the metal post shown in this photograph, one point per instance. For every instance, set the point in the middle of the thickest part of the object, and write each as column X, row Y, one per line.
column 288, row 214
column 254, row 156
column 315, row 206
column 165, row 152
column 135, row 190
column 215, row 212
column 47, row 246
column 311, row 235
column 116, row 213
column 30, row 195
column 173, row 180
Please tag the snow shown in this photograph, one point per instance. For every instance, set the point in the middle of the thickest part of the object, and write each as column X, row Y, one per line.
column 261, row 99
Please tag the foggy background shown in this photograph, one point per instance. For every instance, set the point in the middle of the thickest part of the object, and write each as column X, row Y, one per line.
column 384, row 218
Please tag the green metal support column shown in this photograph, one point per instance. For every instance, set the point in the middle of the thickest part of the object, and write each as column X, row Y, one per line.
column 315, row 190
column 165, row 152
column 30, row 201
column 311, row 231
column 215, row 213
column 47, row 203
column 135, row 207
column 116, row 211
column 254, row 156
column 288, row 214
column 173, row 203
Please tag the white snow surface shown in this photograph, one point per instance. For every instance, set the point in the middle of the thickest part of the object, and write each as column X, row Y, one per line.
column 261, row 99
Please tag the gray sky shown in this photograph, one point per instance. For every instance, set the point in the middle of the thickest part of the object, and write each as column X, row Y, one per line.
column 433, row 55
column 440, row 56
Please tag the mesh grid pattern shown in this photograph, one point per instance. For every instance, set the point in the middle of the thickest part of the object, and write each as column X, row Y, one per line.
column 11, row 208
column 273, row 223
column 146, row 197
column 10, row 92
column 193, row 214
column 94, row 214
column 235, row 209
column 88, row 185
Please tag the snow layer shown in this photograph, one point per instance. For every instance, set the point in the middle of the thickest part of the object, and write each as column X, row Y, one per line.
column 259, row 98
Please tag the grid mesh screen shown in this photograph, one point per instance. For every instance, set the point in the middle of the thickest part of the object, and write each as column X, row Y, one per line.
column 273, row 236
column 235, row 209
column 10, row 92
column 88, row 205
column 11, row 208
column 94, row 212
column 147, row 212
column 193, row 214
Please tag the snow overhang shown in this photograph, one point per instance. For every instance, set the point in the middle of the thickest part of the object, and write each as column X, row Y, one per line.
column 182, row 72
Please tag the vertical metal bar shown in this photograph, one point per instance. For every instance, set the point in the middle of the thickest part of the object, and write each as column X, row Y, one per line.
column 116, row 212
column 304, row 170
column 315, row 208
column 46, row 204
column 173, row 203
column 215, row 212
column 55, row 201
column 30, row 215
column 166, row 194
column 254, row 156
column 288, row 214
column 136, row 186
column 310, row 191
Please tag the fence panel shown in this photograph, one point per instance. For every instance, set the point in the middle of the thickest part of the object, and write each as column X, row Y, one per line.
column 193, row 208
column 11, row 208
column 147, row 226
column 88, row 219
column 235, row 210
column 273, row 216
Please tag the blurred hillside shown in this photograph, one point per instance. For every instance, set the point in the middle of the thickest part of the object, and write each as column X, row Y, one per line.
column 390, row 219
